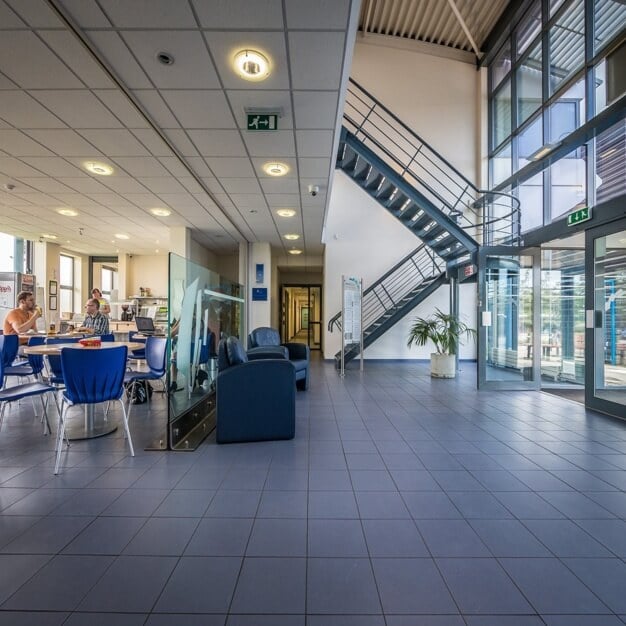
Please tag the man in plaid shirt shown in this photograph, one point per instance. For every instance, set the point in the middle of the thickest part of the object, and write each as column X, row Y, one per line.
column 95, row 320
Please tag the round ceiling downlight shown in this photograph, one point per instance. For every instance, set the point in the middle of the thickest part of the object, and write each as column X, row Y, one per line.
column 252, row 65
column 275, row 168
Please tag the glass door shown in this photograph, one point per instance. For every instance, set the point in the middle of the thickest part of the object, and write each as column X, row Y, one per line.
column 605, row 319
column 508, row 344
column 301, row 315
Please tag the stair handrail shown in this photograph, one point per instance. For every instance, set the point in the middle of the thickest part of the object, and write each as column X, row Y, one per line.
column 467, row 194
column 434, row 261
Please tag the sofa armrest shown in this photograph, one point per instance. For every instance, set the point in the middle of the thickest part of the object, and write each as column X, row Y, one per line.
column 298, row 351
column 268, row 352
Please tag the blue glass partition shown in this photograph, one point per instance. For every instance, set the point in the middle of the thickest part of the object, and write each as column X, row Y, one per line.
column 203, row 307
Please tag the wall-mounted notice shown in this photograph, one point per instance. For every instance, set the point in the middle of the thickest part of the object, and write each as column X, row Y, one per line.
column 351, row 293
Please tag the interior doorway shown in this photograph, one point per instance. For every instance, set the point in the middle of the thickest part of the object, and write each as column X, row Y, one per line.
column 301, row 315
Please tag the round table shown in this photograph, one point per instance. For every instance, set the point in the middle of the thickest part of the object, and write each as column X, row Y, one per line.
column 89, row 430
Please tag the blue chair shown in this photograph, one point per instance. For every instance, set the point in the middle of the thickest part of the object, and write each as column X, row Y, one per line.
column 156, row 351
column 256, row 400
column 55, row 374
column 91, row 377
column 27, row 390
column 33, row 366
column 107, row 337
column 9, row 346
column 264, row 343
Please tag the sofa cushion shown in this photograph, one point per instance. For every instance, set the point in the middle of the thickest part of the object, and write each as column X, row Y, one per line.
column 236, row 353
column 264, row 336
column 222, row 357
column 300, row 364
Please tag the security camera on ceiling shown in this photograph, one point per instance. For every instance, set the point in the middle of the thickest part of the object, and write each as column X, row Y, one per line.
column 314, row 190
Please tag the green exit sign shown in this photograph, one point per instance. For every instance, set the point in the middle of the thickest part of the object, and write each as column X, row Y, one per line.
column 262, row 121
column 581, row 215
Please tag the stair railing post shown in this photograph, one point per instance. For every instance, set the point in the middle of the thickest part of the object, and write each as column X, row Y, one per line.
column 454, row 311
column 361, row 298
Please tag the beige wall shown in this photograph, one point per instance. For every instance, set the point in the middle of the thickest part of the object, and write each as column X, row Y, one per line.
column 148, row 271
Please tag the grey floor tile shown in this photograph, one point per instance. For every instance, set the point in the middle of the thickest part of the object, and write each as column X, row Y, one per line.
column 105, row 619
column 509, row 538
column 541, row 480
column 49, row 588
column 393, row 538
column 244, row 479
column 412, row 586
column 528, row 506
column 137, row 503
column 220, row 537
column 200, row 585
column 614, row 502
column 336, row 538
column 278, row 538
column 12, row 526
column 89, row 502
column 430, row 505
column 48, row 536
column 119, row 477
column 144, row 575
column 171, row 619
column 605, row 577
column 576, row 505
column 27, row 618
column 503, row 620
column 451, row 538
column 329, row 480
column 381, row 505
column 185, row 503
column 424, row 620
column 479, row 505
column 372, row 480
column 287, row 480
column 582, row 620
column 345, row 620
column 332, row 505
column 610, row 533
column 551, row 588
column 106, row 535
column 564, row 538
column 372, row 461
column 341, row 586
column 162, row 536
column 9, row 496
column 494, row 480
column 414, row 480
column 40, row 502
column 456, row 480
column 482, row 587
column 402, row 461
column 16, row 569
column 234, row 504
column 265, row 620
column 292, row 504
column 271, row 585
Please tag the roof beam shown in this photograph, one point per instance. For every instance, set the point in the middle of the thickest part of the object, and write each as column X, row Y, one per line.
column 466, row 30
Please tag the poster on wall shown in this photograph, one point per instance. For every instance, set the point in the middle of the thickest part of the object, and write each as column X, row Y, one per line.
column 7, row 297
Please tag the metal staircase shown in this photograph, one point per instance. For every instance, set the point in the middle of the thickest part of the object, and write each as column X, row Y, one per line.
column 428, row 195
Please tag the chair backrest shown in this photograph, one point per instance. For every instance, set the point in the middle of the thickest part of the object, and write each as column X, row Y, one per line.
column 54, row 360
column 9, row 345
column 36, row 360
column 156, row 350
column 139, row 353
column 93, row 376
column 230, row 352
column 263, row 336
column 107, row 337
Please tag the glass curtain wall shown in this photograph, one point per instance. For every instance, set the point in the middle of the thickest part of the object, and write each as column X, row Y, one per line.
column 557, row 70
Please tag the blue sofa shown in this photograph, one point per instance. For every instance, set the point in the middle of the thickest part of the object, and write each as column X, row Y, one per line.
column 256, row 400
column 264, row 343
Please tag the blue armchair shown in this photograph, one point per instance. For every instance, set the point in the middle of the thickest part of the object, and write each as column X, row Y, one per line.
column 256, row 400
column 264, row 343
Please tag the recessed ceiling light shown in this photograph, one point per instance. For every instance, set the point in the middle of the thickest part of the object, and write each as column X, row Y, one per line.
column 275, row 169
column 122, row 236
column 48, row 236
column 102, row 169
column 160, row 212
column 295, row 251
column 252, row 65
column 292, row 236
column 286, row 212
column 68, row 212
column 165, row 58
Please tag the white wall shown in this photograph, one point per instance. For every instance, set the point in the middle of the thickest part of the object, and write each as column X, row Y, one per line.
column 434, row 96
column 202, row 256
column 147, row 271
column 363, row 240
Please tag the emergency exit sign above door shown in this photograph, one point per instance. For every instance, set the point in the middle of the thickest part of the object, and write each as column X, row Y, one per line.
column 581, row 215
column 262, row 121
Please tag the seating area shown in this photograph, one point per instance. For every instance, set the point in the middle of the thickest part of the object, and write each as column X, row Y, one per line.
column 264, row 343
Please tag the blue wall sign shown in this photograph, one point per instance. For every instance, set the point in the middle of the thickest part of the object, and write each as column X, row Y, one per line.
column 259, row 293
column 259, row 272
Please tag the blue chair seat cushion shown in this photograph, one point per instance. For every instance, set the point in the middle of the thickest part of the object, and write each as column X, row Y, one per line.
column 19, row 370
column 300, row 365
column 129, row 377
column 24, row 391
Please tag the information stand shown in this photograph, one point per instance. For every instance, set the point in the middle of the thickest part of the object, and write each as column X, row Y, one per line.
column 351, row 316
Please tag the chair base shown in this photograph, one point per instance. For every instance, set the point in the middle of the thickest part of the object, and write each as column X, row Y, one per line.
column 78, row 432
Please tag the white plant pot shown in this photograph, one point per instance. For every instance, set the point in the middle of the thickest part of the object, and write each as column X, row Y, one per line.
column 442, row 365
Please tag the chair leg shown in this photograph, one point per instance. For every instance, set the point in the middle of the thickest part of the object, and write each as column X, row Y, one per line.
column 126, row 429
column 2, row 408
column 60, row 437
column 46, row 423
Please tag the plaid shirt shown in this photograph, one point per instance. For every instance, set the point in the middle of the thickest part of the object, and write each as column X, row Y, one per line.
column 99, row 323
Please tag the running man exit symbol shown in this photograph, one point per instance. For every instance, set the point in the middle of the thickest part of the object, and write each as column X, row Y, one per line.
column 258, row 121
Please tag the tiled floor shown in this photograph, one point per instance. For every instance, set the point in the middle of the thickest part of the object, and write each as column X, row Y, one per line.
column 402, row 501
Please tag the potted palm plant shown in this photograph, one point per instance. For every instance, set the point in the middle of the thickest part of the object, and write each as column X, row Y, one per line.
column 445, row 331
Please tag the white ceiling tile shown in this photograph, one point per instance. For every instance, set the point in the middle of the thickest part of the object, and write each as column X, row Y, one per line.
column 47, row 185
column 218, row 142
column 273, row 144
column 115, row 142
column 64, row 142
column 213, row 184
column 180, row 140
column 36, row 13
column 280, row 185
column 199, row 108
column 86, row 13
column 85, row 184
column 230, row 167
column 28, row 62
column 114, row 51
column 315, row 109
column 313, row 59
column 242, row 100
column 246, row 14
column 241, row 185
column 314, row 143
column 5, row 83
column 283, row 200
column 191, row 185
column 144, row 200
column 149, row 14
column 192, row 67
column 22, row 111
column 121, row 107
column 224, row 46
column 251, row 200
column 179, row 201
column 19, row 144
column 77, row 108
column 156, row 108
column 9, row 19
column 72, row 52
column 142, row 166
column 53, row 166
column 321, row 14
column 14, row 167
column 123, row 185
column 153, row 142
column 314, row 167
column 39, row 199
column 162, row 185
column 176, row 168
